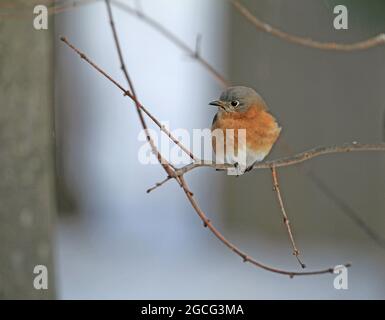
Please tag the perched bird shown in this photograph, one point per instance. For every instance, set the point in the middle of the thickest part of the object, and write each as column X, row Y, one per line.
column 242, row 108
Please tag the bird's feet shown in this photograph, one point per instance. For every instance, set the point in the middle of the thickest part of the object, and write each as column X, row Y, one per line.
column 249, row 168
column 238, row 169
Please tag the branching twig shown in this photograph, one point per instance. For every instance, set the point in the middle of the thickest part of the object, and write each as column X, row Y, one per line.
column 165, row 164
column 295, row 159
column 207, row 223
column 158, row 184
column 189, row 195
column 286, row 220
column 259, row 24
column 174, row 39
column 124, row 69
column 362, row 45
column 22, row 11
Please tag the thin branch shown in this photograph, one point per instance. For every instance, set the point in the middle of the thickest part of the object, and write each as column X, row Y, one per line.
column 130, row 84
column 117, row 45
column 22, row 12
column 341, row 204
column 124, row 69
column 174, row 39
column 158, row 184
column 165, row 164
column 189, row 194
column 286, row 220
column 295, row 159
column 259, row 24
column 207, row 223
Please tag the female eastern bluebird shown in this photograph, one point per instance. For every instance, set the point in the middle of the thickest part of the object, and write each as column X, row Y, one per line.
column 243, row 108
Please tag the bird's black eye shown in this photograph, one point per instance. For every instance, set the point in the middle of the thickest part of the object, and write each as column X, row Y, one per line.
column 235, row 103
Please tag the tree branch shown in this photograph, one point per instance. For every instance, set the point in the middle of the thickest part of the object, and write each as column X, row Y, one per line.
column 164, row 163
column 292, row 160
column 194, row 54
column 259, row 24
column 207, row 223
column 285, row 217
column 124, row 69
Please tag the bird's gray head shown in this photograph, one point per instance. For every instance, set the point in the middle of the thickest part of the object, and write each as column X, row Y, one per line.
column 238, row 99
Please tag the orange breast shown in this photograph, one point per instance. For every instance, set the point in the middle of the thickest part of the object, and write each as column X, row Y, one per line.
column 261, row 127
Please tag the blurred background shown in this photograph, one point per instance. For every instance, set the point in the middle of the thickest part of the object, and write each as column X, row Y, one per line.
column 73, row 193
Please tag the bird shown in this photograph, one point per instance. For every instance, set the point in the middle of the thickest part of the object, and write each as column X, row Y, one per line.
column 240, row 108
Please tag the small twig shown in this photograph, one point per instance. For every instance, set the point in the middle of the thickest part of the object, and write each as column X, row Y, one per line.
column 139, row 106
column 158, row 184
column 174, row 39
column 246, row 258
column 286, row 220
column 362, row 45
column 24, row 11
column 165, row 164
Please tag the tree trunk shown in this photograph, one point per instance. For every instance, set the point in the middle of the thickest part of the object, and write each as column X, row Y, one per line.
column 27, row 190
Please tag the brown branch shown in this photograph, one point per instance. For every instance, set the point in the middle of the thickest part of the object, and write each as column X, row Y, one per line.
column 124, row 69
column 340, row 203
column 286, row 221
column 195, row 54
column 158, row 184
column 22, row 12
column 189, row 194
column 289, row 161
column 259, row 24
column 292, row 160
column 207, row 223
column 164, row 163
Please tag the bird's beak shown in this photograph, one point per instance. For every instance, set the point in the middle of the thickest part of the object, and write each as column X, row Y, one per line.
column 217, row 103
